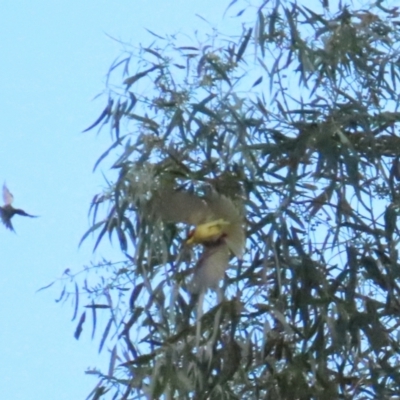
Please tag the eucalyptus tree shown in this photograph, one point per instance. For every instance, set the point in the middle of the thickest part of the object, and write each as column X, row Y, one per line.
column 294, row 119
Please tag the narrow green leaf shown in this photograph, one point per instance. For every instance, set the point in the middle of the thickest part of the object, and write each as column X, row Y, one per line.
column 61, row 295
column 76, row 301
column 94, row 319
column 46, row 287
column 105, row 113
column 105, row 334
column 154, row 53
column 243, row 46
column 97, row 306
column 113, row 359
column 79, row 327
column 134, row 295
column 258, row 81
column 91, row 230
column 132, row 79
column 107, row 152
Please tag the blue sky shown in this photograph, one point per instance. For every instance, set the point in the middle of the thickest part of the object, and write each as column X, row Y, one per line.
column 55, row 55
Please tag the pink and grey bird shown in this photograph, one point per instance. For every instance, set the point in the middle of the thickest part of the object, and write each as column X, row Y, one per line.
column 8, row 211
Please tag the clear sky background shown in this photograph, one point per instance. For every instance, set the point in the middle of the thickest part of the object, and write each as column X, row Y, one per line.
column 54, row 58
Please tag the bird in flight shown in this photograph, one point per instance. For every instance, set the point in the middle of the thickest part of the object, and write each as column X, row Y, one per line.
column 8, row 211
column 218, row 228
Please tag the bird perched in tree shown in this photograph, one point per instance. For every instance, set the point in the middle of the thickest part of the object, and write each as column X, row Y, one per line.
column 218, row 228
column 8, row 211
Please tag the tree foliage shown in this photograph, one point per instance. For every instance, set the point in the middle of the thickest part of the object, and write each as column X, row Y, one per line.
column 296, row 118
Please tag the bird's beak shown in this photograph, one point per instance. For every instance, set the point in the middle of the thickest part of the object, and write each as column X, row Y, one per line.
column 209, row 231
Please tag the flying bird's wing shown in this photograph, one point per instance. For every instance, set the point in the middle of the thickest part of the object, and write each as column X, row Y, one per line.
column 22, row 212
column 176, row 206
column 218, row 227
column 7, row 196
column 211, row 267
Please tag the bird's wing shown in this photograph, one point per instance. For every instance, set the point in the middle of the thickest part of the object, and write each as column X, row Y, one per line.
column 175, row 206
column 211, row 267
column 7, row 196
column 223, row 208
column 22, row 212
